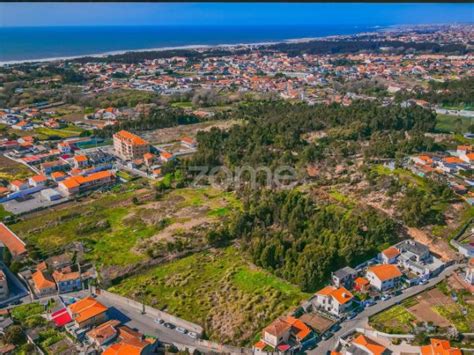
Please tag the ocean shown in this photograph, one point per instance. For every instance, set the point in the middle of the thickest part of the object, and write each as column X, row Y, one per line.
column 30, row 43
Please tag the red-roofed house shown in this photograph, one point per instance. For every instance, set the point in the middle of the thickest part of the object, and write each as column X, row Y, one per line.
column 37, row 180
column 14, row 244
column 18, row 185
column 369, row 346
column 285, row 330
column 333, row 300
column 384, row 276
column 88, row 312
column 389, row 255
column 439, row 347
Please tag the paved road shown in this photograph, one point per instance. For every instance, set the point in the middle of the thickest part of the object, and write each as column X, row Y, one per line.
column 146, row 324
column 362, row 318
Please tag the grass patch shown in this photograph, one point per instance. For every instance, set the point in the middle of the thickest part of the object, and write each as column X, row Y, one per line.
column 454, row 313
column 11, row 170
column 230, row 297
column 450, row 123
column 23, row 312
column 4, row 213
column 344, row 199
column 395, row 320
column 67, row 132
column 182, row 104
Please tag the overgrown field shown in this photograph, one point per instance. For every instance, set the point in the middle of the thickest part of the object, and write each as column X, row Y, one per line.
column 11, row 170
column 219, row 289
column 127, row 225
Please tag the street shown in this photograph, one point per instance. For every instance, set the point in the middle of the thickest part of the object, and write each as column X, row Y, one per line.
column 362, row 318
column 146, row 324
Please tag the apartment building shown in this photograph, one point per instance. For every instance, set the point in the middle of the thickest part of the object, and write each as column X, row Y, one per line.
column 129, row 146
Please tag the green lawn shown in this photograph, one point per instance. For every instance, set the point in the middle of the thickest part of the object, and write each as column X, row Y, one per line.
column 230, row 297
column 183, row 104
column 450, row 123
column 395, row 320
column 67, row 132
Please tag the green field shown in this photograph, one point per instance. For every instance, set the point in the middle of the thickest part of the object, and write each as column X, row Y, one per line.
column 220, row 290
column 113, row 226
column 456, row 124
column 11, row 170
column 44, row 133
column 182, row 104
column 395, row 320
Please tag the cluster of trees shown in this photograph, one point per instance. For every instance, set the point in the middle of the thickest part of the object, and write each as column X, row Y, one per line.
column 273, row 133
column 354, row 46
column 303, row 241
column 158, row 118
column 448, row 93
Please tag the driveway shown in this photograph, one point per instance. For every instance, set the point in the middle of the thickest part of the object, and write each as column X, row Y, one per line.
column 361, row 320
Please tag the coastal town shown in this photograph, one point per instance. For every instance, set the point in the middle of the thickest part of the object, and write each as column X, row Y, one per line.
column 110, row 245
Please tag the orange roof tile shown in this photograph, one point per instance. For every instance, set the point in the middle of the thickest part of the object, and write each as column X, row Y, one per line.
column 17, row 183
column 302, row 330
column 41, row 281
column 361, row 281
column 372, row 346
column 260, row 345
column 130, row 137
column 86, row 308
column 148, row 156
column 452, row 160
column 104, row 331
column 57, row 174
column 385, row 271
column 439, row 347
column 391, row 252
column 166, row 155
column 14, row 244
column 277, row 328
column 341, row 294
column 39, row 178
column 80, row 158
column 65, row 276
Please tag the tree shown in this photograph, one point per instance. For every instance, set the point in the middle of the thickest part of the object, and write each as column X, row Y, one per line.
column 14, row 335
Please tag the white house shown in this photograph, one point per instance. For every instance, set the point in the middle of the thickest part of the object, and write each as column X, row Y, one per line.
column 389, row 255
column 384, row 276
column 333, row 300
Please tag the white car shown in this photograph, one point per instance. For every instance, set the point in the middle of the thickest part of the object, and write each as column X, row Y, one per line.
column 192, row 335
column 181, row 330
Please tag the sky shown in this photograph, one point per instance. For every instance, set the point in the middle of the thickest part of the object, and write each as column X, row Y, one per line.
column 238, row 14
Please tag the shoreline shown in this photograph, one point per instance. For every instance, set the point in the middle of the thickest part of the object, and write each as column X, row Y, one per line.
column 193, row 46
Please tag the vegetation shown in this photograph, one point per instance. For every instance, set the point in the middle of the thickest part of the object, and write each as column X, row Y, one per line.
column 395, row 320
column 218, row 289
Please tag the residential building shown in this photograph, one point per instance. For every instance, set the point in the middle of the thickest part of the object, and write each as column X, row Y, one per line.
column 52, row 166
column 67, row 281
column 42, row 284
column 37, row 180
column 80, row 161
column 131, row 343
column 58, row 176
column 361, row 284
column 4, row 290
column 18, row 185
column 417, row 258
column 166, row 157
column 384, row 276
column 333, row 300
column 285, row 332
column 344, row 277
column 389, row 255
column 129, row 146
column 104, row 333
column 14, row 244
column 363, row 345
column 79, row 183
column 439, row 347
column 188, row 142
column 88, row 312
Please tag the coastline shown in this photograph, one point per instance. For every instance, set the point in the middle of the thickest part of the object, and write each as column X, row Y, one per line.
column 162, row 49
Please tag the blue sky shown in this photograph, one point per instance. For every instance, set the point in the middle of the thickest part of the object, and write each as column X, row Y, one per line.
column 109, row 14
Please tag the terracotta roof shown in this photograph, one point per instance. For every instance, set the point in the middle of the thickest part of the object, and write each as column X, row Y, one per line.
column 452, row 160
column 391, row 252
column 439, row 347
column 86, row 308
column 130, row 137
column 104, row 331
column 131, row 343
column 166, row 155
column 361, row 281
column 39, row 178
column 372, row 346
column 41, row 281
column 57, row 174
column 385, row 271
column 65, row 276
column 148, row 156
column 277, row 328
column 302, row 330
column 80, row 158
column 187, row 140
column 260, row 345
column 18, row 183
column 76, row 181
column 14, row 244
column 341, row 295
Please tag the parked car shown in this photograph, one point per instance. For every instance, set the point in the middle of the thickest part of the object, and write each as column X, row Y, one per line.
column 352, row 315
column 169, row 325
column 385, row 297
column 159, row 320
column 327, row 335
column 193, row 335
column 181, row 330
